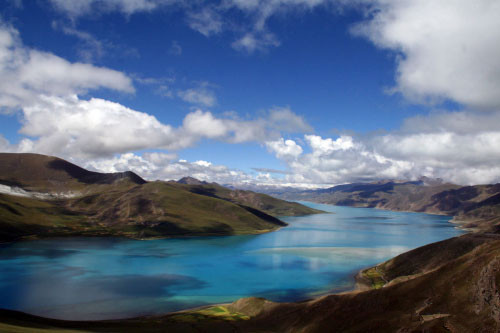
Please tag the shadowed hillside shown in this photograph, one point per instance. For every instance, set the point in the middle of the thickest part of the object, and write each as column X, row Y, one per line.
column 35, row 172
column 46, row 196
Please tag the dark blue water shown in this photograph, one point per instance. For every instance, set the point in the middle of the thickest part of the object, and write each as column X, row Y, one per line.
column 96, row 278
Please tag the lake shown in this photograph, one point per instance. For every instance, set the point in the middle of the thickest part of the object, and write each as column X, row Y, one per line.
column 103, row 278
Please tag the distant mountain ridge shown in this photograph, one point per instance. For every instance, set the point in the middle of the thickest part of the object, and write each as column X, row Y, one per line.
column 44, row 196
column 475, row 206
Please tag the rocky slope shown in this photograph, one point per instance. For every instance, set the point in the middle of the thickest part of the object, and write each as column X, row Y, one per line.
column 43, row 196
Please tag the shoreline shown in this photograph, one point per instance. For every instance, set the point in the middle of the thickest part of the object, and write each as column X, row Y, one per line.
column 29, row 238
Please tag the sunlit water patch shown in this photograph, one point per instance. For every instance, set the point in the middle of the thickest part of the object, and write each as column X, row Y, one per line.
column 102, row 278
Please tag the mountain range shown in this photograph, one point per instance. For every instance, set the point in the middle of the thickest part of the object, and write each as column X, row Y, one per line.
column 473, row 207
column 44, row 196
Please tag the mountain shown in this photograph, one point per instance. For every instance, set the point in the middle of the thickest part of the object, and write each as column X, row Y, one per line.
column 34, row 172
column 191, row 181
column 260, row 201
column 473, row 206
column 448, row 286
column 43, row 196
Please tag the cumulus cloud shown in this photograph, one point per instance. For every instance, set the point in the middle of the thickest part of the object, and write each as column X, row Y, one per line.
column 161, row 166
column 205, row 124
column 460, row 147
column 268, row 127
column 27, row 74
column 445, row 149
column 76, row 128
column 79, row 128
column 284, row 149
column 448, row 49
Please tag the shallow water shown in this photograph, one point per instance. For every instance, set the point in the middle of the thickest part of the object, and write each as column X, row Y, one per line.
column 103, row 278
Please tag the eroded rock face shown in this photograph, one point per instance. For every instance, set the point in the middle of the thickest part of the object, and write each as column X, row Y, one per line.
column 487, row 297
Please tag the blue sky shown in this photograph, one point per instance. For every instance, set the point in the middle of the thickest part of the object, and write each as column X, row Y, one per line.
column 325, row 92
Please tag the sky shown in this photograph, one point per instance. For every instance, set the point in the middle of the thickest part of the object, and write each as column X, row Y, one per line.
column 306, row 93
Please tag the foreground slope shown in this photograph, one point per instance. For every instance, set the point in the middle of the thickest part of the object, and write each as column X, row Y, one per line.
column 474, row 206
column 43, row 196
column 449, row 286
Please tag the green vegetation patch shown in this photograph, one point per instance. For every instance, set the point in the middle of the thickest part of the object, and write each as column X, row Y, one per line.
column 375, row 277
column 211, row 313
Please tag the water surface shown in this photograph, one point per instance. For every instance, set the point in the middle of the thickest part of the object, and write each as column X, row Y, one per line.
column 103, row 278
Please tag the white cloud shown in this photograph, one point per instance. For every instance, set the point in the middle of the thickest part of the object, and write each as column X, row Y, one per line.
column 207, row 17
column 448, row 49
column 202, row 95
column 283, row 118
column 5, row 145
column 235, row 130
column 76, row 128
column 326, row 146
column 79, row 128
column 77, row 8
column 153, row 166
column 205, row 124
column 91, row 47
column 26, row 74
column 252, row 42
column 460, row 147
column 284, row 149
column 206, row 21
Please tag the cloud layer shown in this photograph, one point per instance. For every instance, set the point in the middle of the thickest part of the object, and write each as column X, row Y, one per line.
column 448, row 49
column 27, row 74
column 461, row 147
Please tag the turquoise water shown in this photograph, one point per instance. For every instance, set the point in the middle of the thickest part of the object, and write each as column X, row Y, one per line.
column 103, row 278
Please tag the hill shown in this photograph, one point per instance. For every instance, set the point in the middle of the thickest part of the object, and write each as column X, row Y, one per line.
column 473, row 206
column 449, row 286
column 260, row 201
column 35, row 172
column 43, row 196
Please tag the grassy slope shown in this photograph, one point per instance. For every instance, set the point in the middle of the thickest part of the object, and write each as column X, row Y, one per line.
column 263, row 202
column 123, row 204
column 136, row 211
column 451, row 285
